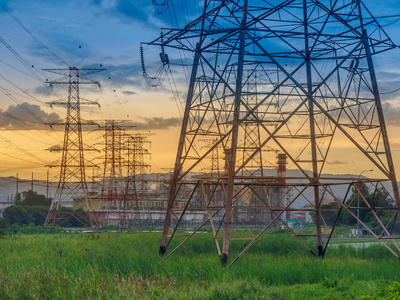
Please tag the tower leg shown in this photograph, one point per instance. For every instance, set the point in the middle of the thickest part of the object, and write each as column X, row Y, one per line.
column 235, row 129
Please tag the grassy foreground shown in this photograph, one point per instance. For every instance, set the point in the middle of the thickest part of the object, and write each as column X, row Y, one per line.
column 127, row 266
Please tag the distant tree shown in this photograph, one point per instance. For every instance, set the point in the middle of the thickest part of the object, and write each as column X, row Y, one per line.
column 16, row 215
column 82, row 218
column 347, row 218
column 375, row 198
column 329, row 216
column 32, row 198
column 33, row 208
column 37, row 214
column 18, row 199
column 76, row 218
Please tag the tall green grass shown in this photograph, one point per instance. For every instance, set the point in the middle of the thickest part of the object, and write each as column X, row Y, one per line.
column 127, row 265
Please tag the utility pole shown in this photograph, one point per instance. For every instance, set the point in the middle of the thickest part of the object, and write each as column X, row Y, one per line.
column 16, row 188
column 47, row 184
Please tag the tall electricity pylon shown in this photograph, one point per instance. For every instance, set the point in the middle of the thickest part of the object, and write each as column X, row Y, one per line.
column 319, row 93
column 111, row 197
column 135, row 186
column 72, row 199
column 120, row 197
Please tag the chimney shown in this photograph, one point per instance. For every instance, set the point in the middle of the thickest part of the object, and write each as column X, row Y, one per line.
column 282, row 167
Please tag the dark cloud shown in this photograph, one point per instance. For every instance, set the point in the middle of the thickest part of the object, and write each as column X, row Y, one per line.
column 122, row 79
column 138, row 11
column 395, row 146
column 391, row 114
column 337, row 162
column 389, row 84
column 157, row 123
column 56, row 148
column 121, row 76
column 26, row 116
column 42, row 91
column 129, row 93
column 131, row 10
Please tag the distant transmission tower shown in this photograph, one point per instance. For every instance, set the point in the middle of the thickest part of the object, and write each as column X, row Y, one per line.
column 111, row 205
column 135, row 186
column 72, row 199
column 316, row 90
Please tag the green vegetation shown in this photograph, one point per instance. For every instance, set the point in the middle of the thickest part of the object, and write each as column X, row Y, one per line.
column 32, row 208
column 29, row 208
column 31, row 229
column 127, row 265
column 32, row 198
column 375, row 198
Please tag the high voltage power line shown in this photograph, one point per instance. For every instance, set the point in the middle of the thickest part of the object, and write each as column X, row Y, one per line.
column 53, row 56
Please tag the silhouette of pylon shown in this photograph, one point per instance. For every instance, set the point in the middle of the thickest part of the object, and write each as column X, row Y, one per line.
column 72, row 199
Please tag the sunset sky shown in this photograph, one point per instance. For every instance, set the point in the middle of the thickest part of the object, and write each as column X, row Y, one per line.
column 58, row 34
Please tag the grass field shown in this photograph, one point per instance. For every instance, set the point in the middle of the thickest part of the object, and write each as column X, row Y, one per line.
column 127, row 265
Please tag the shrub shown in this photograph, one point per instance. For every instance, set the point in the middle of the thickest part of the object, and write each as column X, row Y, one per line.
column 4, row 223
column 16, row 215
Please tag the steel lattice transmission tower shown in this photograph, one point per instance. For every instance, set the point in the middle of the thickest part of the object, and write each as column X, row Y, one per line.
column 136, row 188
column 319, row 91
column 111, row 198
column 72, row 191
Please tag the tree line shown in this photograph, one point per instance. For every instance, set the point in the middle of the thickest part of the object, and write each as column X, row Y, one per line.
column 31, row 208
column 374, row 198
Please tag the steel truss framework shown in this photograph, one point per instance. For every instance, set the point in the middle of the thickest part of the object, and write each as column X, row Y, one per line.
column 72, row 192
column 136, row 190
column 111, row 197
column 120, row 197
column 296, row 76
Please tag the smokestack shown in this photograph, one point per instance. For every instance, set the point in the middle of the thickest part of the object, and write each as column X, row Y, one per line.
column 282, row 167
